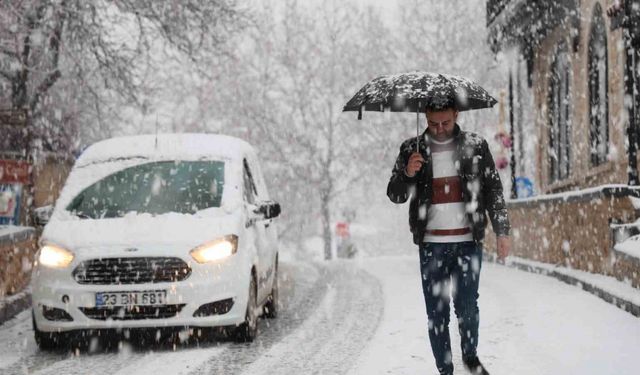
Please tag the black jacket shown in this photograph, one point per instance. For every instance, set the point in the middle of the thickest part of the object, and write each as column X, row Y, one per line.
column 481, row 185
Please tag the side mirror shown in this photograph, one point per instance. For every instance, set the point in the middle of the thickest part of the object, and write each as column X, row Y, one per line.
column 42, row 215
column 269, row 209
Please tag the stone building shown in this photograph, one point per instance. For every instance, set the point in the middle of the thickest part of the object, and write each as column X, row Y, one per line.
column 572, row 83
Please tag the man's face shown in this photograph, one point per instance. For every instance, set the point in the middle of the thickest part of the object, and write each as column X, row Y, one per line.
column 441, row 123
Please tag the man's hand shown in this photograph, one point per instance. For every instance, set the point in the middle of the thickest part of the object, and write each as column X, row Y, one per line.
column 503, row 244
column 616, row 7
column 414, row 164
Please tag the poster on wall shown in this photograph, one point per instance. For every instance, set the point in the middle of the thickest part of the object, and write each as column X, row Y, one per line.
column 14, row 174
column 10, row 196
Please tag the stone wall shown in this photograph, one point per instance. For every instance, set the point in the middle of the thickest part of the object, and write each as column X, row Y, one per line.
column 49, row 177
column 18, row 246
column 572, row 230
column 626, row 268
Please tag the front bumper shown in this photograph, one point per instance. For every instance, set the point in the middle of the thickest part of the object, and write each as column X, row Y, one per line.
column 56, row 289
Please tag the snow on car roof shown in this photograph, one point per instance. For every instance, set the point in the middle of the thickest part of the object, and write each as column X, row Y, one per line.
column 165, row 146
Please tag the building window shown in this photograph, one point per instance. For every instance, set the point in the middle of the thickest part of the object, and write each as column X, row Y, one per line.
column 598, row 90
column 559, row 120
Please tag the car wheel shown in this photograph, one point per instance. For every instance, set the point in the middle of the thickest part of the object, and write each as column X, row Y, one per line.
column 247, row 331
column 47, row 340
column 271, row 307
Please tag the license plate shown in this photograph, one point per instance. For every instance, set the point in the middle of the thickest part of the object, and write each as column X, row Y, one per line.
column 143, row 298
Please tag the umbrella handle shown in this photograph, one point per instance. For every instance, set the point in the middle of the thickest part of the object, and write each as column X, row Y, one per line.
column 418, row 126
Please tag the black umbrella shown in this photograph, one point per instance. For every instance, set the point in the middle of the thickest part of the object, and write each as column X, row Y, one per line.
column 415, row 91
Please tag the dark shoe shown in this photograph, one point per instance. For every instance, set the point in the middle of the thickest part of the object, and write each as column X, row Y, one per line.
column 474, row 366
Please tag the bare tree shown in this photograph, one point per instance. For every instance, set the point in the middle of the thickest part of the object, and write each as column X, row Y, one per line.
column 102, row 45
column 298, row 67
column 438, row 36
column 283, row 89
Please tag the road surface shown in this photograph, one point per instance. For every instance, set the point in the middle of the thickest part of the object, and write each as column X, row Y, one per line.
column 366, row 316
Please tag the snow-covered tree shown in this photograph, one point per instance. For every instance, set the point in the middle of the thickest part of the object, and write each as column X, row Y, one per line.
column 301, row 68
column 101, row 50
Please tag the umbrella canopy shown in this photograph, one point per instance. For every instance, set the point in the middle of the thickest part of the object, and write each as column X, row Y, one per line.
column 415, row 91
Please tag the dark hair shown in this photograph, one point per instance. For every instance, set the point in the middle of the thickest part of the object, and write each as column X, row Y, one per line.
column 440, row 107
column 441, row 103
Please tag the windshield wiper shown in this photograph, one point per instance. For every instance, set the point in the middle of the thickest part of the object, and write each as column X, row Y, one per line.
column 82, row 215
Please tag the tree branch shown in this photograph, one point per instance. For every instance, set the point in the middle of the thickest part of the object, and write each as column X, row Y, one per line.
column 44, row 86
column 9, row 53
column 7, row 76
column 54, row 45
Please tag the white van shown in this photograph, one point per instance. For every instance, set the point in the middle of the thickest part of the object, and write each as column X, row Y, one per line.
column 173, row 230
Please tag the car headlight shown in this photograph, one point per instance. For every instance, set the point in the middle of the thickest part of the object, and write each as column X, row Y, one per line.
column 216, row 250
column 54, row 256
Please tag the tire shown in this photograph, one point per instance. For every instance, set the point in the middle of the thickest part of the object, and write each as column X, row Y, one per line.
column 47, row 340
column 271, row 306
column 247, row 331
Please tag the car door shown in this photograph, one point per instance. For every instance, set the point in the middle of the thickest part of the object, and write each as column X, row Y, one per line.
column 270, row 228
column 257, row 229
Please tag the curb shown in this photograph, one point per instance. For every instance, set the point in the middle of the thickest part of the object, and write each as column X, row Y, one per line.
column 617, row 301
column 14, row 305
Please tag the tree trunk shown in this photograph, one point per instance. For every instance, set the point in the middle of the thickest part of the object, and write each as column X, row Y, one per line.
column 326, row 226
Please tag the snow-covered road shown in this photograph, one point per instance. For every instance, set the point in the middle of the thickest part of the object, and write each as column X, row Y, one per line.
column 326, row 320
column 367, row 317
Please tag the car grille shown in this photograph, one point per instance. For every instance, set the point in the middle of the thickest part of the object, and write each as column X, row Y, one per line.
column 118, row 271
column 132, row 313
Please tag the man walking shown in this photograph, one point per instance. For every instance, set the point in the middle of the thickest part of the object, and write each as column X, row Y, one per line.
column 451, row 182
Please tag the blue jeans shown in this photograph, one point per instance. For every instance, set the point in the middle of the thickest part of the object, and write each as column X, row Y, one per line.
column 457, row 265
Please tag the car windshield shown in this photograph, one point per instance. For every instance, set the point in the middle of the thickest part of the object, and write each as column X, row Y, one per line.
column 155, row 188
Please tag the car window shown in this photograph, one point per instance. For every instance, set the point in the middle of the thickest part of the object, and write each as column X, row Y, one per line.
column 250, row 191
column 156, row 188
column 258, row 179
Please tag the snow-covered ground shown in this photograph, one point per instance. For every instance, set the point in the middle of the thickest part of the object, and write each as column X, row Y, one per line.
column 367, row 316
column 529, row 324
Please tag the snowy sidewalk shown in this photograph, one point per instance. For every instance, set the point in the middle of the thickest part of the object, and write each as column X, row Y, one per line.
column 530, row 325
column 608, row 288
